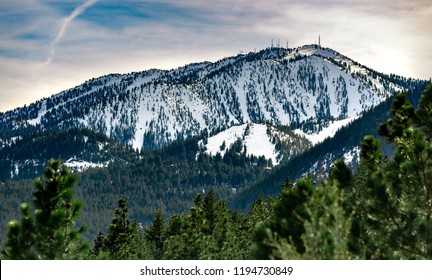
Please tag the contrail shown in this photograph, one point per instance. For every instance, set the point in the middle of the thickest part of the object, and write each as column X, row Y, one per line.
column 64, row 26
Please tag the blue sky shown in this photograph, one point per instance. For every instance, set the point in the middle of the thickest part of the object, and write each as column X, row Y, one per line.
column 47, row 46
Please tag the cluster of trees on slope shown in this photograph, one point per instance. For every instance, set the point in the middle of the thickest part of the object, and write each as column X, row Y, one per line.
column 382, row 211
column 26, row 156
column 166, row 179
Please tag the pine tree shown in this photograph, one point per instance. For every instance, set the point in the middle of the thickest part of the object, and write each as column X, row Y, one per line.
column 403, row 117
column 287, row 221
column 98, row 245
column 360, row 244
column 260, row 212
column 175, row 245
column 123, row 240
column 208, row 232
column 175, row 225
column 423, row 118
column 20, row 237
column 155, row 234
column 50, row 234
column 397, row 212
column 325, row 230
column 185, row 234
column 340, row 175
column 210, row 212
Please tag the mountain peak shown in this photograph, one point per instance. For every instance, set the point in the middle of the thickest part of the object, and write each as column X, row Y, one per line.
column 317, row 50
column 152, row 108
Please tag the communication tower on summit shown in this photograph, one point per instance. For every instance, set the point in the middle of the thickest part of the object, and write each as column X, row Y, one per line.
column 319, row 40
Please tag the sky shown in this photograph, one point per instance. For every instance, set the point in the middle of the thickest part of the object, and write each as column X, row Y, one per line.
column 47, row 46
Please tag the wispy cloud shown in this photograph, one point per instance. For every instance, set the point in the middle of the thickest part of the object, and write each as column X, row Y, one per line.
column 80, row 9
column 49, row 45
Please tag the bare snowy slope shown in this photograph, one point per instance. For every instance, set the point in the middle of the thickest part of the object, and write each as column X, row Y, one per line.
column 259, row 140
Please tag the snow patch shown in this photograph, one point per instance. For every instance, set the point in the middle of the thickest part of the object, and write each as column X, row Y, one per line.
column 253, row 136
column 316, row 50
column 82, row 165
column 41, row 113
column 258, row 143
column 327, row 132
column 351, row 155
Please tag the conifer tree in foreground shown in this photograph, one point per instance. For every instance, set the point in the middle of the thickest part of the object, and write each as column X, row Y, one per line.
column 50, row 232
column 397, row 212
column 286, row 221
column 155, row 234
column 124, row 240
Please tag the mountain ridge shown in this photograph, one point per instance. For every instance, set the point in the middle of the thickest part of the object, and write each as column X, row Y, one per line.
column 307, row 89
column 152, row 108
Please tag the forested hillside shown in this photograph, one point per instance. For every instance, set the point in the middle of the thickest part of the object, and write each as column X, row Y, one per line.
column 380, row 211
column 168, row 179
column 165, row 179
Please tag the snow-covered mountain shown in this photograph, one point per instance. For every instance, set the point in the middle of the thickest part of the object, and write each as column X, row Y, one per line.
column 302, row 108
column 310, row 89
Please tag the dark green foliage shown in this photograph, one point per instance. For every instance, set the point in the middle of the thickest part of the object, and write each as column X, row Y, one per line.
column 20, row 237
column 424, row 113
column 49, row 233
column 261, row 210
column 119, row 230
column 395, row 220
column 155, row 234
column 209, row 231
column 98, row 245
column 29, row 153
column 210, row 212
column 308, row 222
column 166, row 179
column 55, row 211
column 340, row 175
column 403, row 118
column 289, row 213
column 371, row 153
column 124, row 239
